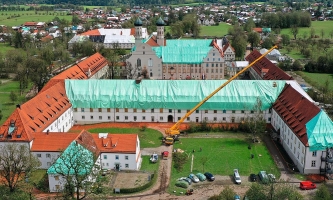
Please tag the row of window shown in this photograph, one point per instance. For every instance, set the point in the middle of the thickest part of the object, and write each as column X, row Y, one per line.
column 169, row 110
column 107, row 164
column 116, row 157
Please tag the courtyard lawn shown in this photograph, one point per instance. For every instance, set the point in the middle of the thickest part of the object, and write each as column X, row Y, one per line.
column 317, row 79
column 146, row 165
column 327, row 26
column 223, row 155
column 149, row 138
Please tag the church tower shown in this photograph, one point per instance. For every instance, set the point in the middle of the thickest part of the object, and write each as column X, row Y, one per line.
column 160, row 32
column 138, row 31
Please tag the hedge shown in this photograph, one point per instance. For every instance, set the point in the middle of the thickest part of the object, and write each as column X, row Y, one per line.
column 138, row 189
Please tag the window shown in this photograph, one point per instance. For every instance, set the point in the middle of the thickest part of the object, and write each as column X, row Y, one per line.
column 126, row 165
column 134, row 110
column 206, row 111
column 143, row 118
column 252, row 111
column 83, row 117
column 48, row 155
column 215, row 111
column 48, row 164
column 75, row 109
column 223, row 118
column 233, row 120
column 170, row 110
column 188, row 119
column 108, row 110
column 178, row 118
column 117, row 157
column 99, row 109
column 91, row 117
column 269, row 119
column 152, row 110
column 138, row 62
column 56, row 178
column 126, row 117
column 91, row 110
column 224, row 111
column 82, row 109
column 161, row 110
column 197, row 111
column 39, row 155
column 134, row 118
column 117, row 117
column 215, row 118
column 126, row 157
column 161, row 118
column 117, row 109
column 143, row 110
column 179, row 111
column 243, row 111
column 313, row 163
column 100, row 117
column 126, row 109
column 109, row 117
column 206, row 118
column 105, row 157
column 314, row 154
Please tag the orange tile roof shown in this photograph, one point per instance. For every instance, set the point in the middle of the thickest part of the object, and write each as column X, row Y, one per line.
column 295, row 110
column 74, row 72
column 225, row 47
column 152, row 42
column 132, row 31
column 259, row 30
column 30, row 24
column 46, row 142
column 92, row 32
column 124, row 143
column 273, row 73
column 94, row 63
column 86, row 139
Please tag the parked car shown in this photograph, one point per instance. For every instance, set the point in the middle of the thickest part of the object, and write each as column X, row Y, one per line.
column 237, row 197
column 237, row 177
column 194, row 178
column 153, row 158
column 188, row 180
column 307, row 185
column 209, row 176
column 271, row 177
column 263, row 177
column 201, row 176
column 253, row 177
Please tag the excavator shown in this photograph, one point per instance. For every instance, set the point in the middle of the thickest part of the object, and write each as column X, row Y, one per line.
column 173, row 133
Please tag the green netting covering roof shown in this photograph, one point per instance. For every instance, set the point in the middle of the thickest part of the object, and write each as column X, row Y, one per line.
column 183, row 51
column 172, row 94
column 320, row 132
column 71, row 159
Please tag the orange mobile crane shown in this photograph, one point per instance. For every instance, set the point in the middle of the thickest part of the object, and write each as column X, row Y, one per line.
column 173, row 132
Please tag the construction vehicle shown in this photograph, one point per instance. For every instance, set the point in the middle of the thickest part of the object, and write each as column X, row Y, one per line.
column 173, row 132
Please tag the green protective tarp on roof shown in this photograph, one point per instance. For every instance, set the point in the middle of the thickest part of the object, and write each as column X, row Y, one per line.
column 183, row 51
column 320, row 132
column 72, row 158
column 172, row 94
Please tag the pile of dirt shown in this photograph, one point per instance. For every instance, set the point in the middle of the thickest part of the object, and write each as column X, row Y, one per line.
column 315, row 178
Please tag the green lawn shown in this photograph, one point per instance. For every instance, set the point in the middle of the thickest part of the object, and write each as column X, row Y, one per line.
column 223, row 155
column 295, row 54
column 327, row 26
column 6, row 17
column 37, row 176
column 317, row 79
column 4, row 47
column 148, row 139
column 217, row 31
column 146, row 165
column 6, row 105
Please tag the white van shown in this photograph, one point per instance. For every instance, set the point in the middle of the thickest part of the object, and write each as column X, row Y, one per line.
column 237, row 177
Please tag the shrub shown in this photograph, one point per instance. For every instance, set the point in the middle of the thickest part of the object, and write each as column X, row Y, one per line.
column 143, row 128
column 182, row 184
column 179, row 160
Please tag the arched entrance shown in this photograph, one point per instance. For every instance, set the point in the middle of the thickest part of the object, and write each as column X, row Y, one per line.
column 170, row 118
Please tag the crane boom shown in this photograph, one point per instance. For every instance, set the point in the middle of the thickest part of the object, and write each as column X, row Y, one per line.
column 174, row 130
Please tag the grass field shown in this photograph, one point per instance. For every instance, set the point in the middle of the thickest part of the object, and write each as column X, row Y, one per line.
column 146, row 165
column 6, row 105
column 317, row 79
column 327, row 26
column 223, row 155
column 4, row 47
column 6, row 17
column 148, row 139
column 295, row 54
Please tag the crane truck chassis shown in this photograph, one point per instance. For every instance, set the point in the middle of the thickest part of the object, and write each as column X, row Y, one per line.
column 172, row 134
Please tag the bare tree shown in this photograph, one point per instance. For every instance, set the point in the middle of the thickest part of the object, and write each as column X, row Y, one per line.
column 77, row 167
column 132, row 71
column 15, row 162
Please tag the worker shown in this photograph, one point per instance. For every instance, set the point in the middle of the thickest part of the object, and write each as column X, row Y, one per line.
column 200, row 149
column 252, row 156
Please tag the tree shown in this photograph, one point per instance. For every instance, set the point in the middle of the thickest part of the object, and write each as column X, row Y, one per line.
column 227, row 194
column 39, row 71
column 331, row 34
column 1, row 115
column 77, row 167
column 132, row 71
column 322, row 193
column 297, row 66
column 249, row 25
column 16, row 161
column 256, row 122
column 13, row 96
column 322, row 33
column 253, row 38
column 256, row 192
column 177, row 29
column 75, row 20
column 294, row 31
column 285, row 39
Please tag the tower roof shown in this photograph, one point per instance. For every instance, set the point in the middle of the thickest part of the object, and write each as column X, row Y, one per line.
column 160, row 22
column 138, row 22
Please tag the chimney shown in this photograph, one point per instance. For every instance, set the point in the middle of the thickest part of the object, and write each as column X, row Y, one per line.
column 18, row 106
